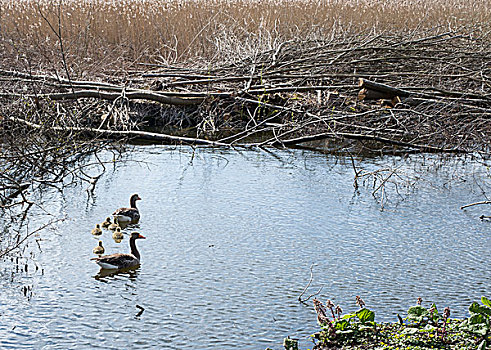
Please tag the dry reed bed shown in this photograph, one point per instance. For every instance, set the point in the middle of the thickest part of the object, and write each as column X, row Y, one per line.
column 289, row 70
column 107, row 35
column 300, row 92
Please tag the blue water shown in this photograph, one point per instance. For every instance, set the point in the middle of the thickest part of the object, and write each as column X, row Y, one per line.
column 230, row 239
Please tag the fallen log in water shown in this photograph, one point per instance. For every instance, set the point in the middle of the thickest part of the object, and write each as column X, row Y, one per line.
column 367, row 137
column 131, row 95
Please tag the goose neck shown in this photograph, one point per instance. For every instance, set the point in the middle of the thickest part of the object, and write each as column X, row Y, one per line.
column 134, row 251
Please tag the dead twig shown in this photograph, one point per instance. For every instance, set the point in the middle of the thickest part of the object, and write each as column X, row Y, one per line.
column 476, row 203
column 307, row 287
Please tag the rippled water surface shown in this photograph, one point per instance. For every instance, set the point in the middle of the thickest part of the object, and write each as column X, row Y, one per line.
column 230, row 239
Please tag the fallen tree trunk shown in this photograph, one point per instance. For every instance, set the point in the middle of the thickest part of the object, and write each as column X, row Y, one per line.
column 137, row 95
column 373, row 90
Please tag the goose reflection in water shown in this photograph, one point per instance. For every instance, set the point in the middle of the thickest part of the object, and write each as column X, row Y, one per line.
column 105, row 275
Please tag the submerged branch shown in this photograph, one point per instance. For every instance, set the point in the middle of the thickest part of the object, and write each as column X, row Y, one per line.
column 307, row 287
column 476, row 203
column 29, row 234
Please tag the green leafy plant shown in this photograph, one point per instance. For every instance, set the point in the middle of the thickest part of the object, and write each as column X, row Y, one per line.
column 423, row 328
column 355, row 328
column 479, row 323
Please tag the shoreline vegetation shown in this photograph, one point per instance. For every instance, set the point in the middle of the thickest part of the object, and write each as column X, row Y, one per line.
column 388, row 77
column 422, row 328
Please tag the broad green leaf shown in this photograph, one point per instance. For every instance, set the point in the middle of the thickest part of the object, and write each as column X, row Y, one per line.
column 365, row 315
column 417, row 313
column 342, row 324
column 475, row 308
column 417, row 310
column 486, row 301
column 348, row 316
column 476, row 319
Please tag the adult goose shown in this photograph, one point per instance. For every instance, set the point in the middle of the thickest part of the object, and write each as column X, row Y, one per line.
column 128, row 215
column 121, row 261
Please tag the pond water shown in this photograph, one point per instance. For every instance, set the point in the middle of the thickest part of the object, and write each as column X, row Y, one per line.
column 230, row 239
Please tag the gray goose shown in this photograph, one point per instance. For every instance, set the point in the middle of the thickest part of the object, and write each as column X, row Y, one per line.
column 128, row 215
column 121, row 261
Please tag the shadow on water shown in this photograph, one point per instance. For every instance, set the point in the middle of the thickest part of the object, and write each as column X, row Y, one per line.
column 105, row 275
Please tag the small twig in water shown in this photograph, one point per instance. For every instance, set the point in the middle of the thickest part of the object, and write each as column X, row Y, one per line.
column 141, row 310
column 476, row 203
column 355, row 182
column 307, row 286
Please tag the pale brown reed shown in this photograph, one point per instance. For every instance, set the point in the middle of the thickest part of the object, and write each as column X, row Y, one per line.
column 119, row 33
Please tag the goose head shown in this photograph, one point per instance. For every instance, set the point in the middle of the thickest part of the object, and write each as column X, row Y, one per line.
column 134, row 197
column 135, row 235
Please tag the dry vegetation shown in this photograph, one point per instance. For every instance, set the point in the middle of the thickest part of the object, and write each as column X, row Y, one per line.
column 102, row 36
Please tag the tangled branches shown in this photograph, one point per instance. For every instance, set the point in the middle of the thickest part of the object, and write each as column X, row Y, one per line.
column 35, row 161
column 415, row 93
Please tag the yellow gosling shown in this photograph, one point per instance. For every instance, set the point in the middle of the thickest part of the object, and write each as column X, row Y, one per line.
column 99, row 250
column 97, row 230
column 118, row 235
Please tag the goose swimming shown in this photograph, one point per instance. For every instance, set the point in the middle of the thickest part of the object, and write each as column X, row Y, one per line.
column 128, row 215
column 121, row 261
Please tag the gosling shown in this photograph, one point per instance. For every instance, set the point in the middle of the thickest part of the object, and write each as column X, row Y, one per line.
column 97, row 230
column 118, row 235
column 106, row 223
column 99, row 250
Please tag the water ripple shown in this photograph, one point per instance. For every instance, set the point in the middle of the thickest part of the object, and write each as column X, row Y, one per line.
column 228, row 250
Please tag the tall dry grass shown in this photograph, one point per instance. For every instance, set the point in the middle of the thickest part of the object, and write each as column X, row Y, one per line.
column 102, row 34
